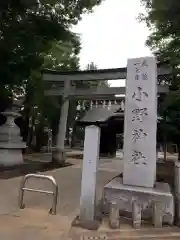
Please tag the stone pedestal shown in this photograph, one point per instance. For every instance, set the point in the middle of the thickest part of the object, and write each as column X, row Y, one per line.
column 155, row 204
column 114, row 217
column 11, row 143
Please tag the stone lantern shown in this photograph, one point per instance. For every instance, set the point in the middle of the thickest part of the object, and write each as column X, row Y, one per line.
column 11, row 143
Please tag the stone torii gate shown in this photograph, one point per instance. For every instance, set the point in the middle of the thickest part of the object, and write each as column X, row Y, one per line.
column 68, row 91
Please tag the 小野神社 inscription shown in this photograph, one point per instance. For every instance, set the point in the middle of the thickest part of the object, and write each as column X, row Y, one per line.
column 138, row 134
column 140, row 122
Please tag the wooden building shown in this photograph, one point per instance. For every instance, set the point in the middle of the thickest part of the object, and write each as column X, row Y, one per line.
column 111, row 123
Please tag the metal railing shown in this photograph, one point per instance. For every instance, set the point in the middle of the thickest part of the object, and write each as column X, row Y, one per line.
column 54, row 192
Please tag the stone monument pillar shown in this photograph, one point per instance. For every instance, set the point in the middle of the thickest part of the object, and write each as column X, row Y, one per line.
column 11, row 143
column 87, row 217
column 140, row 123
column 137, row 192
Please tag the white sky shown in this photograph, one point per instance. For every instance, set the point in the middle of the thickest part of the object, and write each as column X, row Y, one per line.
column 112, row 34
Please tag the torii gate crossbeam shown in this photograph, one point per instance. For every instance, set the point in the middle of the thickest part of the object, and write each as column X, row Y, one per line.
column 68, row 91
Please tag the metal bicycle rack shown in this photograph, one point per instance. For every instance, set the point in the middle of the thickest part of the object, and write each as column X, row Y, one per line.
column 54, row 191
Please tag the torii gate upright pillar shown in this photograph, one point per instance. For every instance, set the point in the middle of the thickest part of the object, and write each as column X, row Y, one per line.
column 60, row 155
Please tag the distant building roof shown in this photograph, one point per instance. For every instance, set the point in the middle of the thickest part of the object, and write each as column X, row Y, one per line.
column 100, row 114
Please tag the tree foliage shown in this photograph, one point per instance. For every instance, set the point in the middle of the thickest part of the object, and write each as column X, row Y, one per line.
column 36, row 34
column 162, row 18
column 28, row 28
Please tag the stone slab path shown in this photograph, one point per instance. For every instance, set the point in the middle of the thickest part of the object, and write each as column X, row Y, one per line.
column 34, row 222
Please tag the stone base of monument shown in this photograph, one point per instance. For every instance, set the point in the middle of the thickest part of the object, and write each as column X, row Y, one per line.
column 11, row 157
column 87, row 224
column 155, row 204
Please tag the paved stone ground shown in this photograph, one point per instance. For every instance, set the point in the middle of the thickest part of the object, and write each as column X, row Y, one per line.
column 79, row 154
column 34, row 222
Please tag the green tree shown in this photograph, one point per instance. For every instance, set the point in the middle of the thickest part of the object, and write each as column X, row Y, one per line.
column 162, row 18
column 36, row 34
column 28, row 28
column 62, row 56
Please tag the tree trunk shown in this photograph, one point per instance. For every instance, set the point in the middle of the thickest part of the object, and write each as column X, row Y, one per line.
column 73, row 135
column 165, row 151
column 39, row 138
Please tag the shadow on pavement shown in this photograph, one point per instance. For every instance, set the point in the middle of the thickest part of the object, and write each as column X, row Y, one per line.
column 29, row 167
